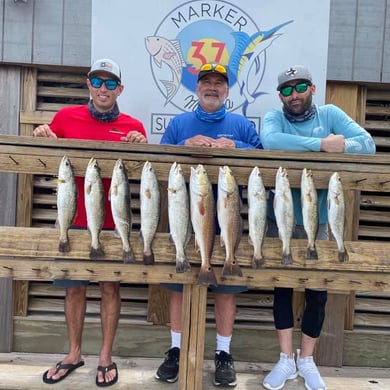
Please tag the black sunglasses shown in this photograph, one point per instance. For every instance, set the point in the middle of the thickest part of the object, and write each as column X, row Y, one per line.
column 110, row 84
column 300, row 88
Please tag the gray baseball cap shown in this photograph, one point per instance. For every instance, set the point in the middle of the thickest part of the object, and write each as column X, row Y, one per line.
column 106, row 65
column 295, row 72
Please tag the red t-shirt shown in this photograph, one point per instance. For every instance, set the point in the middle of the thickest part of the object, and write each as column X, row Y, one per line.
column 76, row 122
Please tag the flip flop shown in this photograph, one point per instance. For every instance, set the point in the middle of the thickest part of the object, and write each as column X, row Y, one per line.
column 60, row 366
column 104, row 370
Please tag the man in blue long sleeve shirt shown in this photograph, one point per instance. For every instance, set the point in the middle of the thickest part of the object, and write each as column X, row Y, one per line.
column 210, row 125
column 304, row 126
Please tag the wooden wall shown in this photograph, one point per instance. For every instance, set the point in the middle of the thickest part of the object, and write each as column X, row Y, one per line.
column 59, row 33
column 39, row 306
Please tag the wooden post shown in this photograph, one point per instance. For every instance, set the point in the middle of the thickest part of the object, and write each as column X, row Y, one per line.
column 192, row 337
column 6, row 317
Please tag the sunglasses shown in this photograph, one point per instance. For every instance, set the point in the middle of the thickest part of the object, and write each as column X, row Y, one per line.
column 110, row 84
column 217, row 67
column 299, row 88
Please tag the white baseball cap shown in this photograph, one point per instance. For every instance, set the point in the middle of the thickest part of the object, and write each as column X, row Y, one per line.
column 106, row 65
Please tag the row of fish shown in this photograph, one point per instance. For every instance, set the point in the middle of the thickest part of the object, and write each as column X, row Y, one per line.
column 196, row 212
column 119, row 196
column 284, row 213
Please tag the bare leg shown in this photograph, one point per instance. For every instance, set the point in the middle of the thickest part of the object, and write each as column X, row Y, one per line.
column 225, row 313
column 75, row 304
column 109, row 312
column 175, row 307
column 285, row 337
column 307, row 345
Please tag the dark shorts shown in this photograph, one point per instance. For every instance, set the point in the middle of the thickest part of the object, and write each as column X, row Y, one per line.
column 67, row 283
column 214, row 289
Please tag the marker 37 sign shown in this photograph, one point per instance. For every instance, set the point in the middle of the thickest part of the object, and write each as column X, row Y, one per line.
column 198, row 32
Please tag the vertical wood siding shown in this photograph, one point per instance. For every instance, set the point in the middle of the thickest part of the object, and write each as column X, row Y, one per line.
column 58, row 32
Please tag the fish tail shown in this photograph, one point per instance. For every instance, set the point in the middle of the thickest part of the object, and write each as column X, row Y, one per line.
column 149, row 258
column 128, row 257
column 311, row 253
column 64, row 245
column 96, row 253
column 343, row 256
column 207, row 276
column 287, row 258
column 231, row 269
column 182, row 265
column 257, row 262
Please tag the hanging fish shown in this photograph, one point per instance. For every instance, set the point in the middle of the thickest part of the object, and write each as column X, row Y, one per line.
column 229, row 219
column 120, row 197
column 336, row 214
column 66, row 202
column 150, row 210
column 309, row 204
column 257, row 216
column 284, row 213
column 179, row 216
column 203, row 221
column 94, row 206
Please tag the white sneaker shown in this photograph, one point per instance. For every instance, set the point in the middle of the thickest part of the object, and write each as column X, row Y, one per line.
column 308, row 370
column 284, row 370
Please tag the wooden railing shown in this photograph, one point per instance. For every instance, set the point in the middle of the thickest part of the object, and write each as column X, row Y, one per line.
column 29, row 253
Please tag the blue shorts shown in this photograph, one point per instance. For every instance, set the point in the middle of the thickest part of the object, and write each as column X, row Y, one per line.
column 66, row 283
column 214, row 289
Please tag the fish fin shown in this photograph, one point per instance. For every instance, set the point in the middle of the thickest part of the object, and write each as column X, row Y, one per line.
column 64, row 246
column 257, row 262
column 96, row 253
column 188, row 234
column 148, row 193
column 343, row 256
column 207, row 276
column 311, row 253
column 182, row 265
column 221, row 241
column 88, row 189
column 157, row 62
column 148, row 259
column 201, row 208
column 128, row 257
column 231, row 269
column 287, row 259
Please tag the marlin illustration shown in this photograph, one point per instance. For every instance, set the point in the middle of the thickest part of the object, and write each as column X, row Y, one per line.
column 247, row 61
column 169, row 52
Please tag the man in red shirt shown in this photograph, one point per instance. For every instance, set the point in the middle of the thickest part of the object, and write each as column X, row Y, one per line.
column 100, row 120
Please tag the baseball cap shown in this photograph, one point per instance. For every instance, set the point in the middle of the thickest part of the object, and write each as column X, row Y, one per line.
column 213, row 68
column 296, row 72
column 106, row 65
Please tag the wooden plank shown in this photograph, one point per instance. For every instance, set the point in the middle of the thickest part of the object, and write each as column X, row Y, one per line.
column 342, row 28
column 48, row 32
column 62, row 92
column 17, row 30
column 193, row 332
column 36, row 117
column 369, row 41
column 24, row 371
column 6, row 318
column 77, row 32
column 368, row 200
column 158, row 305
column 344, row 96
column 330, row 346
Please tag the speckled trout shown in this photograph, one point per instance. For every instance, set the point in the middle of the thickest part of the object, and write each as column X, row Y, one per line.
column 120, row 200
column 284, row 213
column 309, row 205
column 94, row 206
column 66, row 202
column 179, row 216
column 229, row 219
column 150, row 210
column 257, row 215
column 336, row 214
column 203, row 221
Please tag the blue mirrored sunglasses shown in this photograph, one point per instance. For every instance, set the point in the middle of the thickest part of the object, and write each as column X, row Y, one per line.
column 110, row 84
